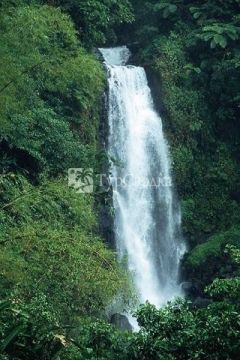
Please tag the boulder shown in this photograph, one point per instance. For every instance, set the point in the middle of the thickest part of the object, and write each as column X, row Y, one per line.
column 121, row 322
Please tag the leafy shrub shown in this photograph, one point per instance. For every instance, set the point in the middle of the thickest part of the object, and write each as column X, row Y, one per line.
column 51, row 92
column 55, row 270
column 209, row 260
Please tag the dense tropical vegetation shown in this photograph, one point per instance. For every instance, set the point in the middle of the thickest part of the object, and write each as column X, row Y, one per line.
column 57, row 274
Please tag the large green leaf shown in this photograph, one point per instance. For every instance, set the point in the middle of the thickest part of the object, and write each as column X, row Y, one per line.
column 220, row 40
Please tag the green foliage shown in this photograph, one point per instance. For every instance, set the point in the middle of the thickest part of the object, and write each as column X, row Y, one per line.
column 200, row 105
column 209, row 260
column 96, row 19
column 166, row 9
column 51, row 222
column 234, row 252
column 177, row 331
column 29, row 330
column 219, row 34
column 214, row 246
column 54, row 268
column 225, row 288
column 180, row 330
column 98, row 340
column 51, row 87
column 57, row 276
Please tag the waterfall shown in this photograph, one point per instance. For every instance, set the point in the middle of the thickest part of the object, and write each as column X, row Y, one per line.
column 147, row 215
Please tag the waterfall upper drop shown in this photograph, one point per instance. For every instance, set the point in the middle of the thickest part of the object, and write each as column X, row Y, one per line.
column 147, row 215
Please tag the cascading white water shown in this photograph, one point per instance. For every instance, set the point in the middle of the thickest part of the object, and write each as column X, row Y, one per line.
column 147, row 216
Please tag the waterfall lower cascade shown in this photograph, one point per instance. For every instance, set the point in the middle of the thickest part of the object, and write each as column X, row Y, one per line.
column 147, row 215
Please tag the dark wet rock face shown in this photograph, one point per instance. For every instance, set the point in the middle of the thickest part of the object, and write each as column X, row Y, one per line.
column 104, row 209
column 107, row 224
column 191, row 289
column 200, row 302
